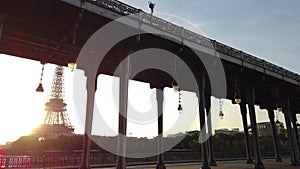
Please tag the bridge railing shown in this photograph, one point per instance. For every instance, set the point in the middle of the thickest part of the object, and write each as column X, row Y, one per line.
column 245, row 57
column 97, row 159
column 20, row 161
column 124, row 9
column 38, row 161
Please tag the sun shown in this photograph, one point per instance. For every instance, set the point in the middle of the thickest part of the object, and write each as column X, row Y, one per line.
column 22, row 109
column 18, row 123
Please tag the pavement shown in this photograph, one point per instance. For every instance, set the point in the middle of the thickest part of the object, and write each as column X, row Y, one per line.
column 269, row 164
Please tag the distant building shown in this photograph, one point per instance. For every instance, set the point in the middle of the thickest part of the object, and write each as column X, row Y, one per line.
column 234, row 131
column 183, row 134
column 192, row 132
column 222, row 131
column 265, row 129
column 227, row 131
column 176, row 135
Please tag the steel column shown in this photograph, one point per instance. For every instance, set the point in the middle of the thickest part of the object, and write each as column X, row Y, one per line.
column 123, row 103
column 294, row 121
column 292, row 138
column 201, row 100
column 243, row 109
column 91, row 89
column 160, row 100
column 274, row 134
column 251, row 100
column 212, row 161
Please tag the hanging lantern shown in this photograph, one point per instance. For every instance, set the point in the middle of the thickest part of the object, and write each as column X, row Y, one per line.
column 278, row 107
column 221, row 114
column 237, row 100
column 175, row 87
column 237, row 96
column 72, row 66
column 278, row 103
column 277, row 119
column 40, row 86
column 179, row 109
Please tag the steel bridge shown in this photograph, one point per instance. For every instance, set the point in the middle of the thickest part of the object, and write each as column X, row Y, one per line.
column 54, row 31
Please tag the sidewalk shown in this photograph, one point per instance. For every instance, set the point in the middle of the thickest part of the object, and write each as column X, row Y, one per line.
column 269, row 164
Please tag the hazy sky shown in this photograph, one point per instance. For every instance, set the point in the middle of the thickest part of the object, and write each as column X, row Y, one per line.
column 266, row 29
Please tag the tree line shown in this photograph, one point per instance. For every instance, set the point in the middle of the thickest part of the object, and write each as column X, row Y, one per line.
column 222, row 143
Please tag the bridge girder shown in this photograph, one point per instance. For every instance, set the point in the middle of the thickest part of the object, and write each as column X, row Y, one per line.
column 43, row 31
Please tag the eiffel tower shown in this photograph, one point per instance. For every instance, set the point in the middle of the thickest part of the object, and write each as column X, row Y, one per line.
column 56, row 121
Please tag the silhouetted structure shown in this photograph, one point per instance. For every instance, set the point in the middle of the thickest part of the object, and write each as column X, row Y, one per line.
column 227, row 131
column 56, row 121
column 265, row 128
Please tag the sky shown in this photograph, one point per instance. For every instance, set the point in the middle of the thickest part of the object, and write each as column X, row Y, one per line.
column 266, row 29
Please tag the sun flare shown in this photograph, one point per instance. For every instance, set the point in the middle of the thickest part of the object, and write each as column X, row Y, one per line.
column 22, row 109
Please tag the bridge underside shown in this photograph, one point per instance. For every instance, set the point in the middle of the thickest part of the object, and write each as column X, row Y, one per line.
column 45, row 31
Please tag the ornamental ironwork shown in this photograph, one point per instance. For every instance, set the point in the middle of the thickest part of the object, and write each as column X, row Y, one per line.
column 124, row 9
